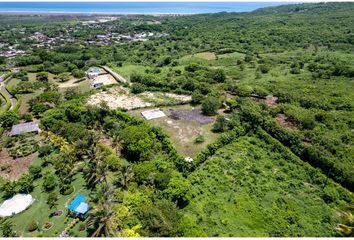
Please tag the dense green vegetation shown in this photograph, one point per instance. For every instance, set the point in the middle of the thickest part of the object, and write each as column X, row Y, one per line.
column 277, row 82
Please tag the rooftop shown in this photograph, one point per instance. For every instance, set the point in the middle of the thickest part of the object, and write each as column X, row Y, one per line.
column 24, row 128
column 152, row 114
column 79, row 205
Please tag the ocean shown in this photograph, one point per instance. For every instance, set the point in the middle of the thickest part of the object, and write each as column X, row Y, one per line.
column 135, row 7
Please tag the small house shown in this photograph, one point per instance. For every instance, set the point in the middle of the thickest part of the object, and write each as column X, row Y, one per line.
column 93, row 72
column 152, row 114
column 24, row 128
column 78, row 207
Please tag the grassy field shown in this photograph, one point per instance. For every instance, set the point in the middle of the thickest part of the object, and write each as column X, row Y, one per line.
column 127, row 70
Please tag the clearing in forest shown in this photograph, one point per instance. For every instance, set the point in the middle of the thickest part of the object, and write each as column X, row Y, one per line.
column 119, row 97
column 206, row 55
column 13, row 169
column 183, row 126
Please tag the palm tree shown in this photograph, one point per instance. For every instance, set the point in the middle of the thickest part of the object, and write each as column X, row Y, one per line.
column 100, row 219
column 115, row 141
column 125, row 175
column 96, row 166
column 347, row 229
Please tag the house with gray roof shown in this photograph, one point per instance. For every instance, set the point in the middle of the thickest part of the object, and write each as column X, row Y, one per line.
column 24, row 128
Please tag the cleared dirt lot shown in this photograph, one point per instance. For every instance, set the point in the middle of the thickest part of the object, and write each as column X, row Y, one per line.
column 119, row 97
column 183, row 132
column 13, row 169
column 106, row 79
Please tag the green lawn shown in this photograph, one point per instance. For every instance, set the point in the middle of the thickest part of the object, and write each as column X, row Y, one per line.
column 40, row 211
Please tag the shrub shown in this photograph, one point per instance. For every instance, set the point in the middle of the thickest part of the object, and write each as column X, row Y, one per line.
column 45, row 150
column 82, row 227
column 199, row 139
column 50, row 181
column 197, row 97
column 8, row 119
column 32, row 226
column 78, row 73
column 42, row 77
column 210, row 105
column 27, row 117
column 67, row 189
column 137, row 88
column 220, row 125
column 35, row 171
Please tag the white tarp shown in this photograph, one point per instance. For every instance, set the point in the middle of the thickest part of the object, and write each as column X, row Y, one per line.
column 151, row 114
column 15, row 205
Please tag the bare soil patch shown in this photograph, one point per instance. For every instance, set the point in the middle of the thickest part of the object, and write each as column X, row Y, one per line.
column 190, row 115
column 106, row 79
column 119, row 97
column 183, row 132
column 115, row 101
column 285, row 122
column 270, row 101
column 13, row 169
column 71, row 83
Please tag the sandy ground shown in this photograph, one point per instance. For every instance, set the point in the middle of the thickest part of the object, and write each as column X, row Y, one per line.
column 119, row 97
column 13, row 169
column 106, row 79
column 115, row 101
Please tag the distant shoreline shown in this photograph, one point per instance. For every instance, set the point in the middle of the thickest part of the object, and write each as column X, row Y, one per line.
column 62, row 13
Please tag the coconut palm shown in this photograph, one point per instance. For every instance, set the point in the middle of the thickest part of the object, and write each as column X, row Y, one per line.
column 347, row 229
column 96, row 167
column 100, row 219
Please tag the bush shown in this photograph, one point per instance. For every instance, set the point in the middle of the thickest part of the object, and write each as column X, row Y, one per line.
column 27, row 117
column 45, row 150
column 67, row 189
column 264, row 68
column 49, row 181
column 35, row 171
column 42, row 77
column 210, row 105
column 137, row 88
column 197, row 97
column 32, row 226
column 78, row 73
column 199, row 139
column 8, row 119
column 220, row 125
